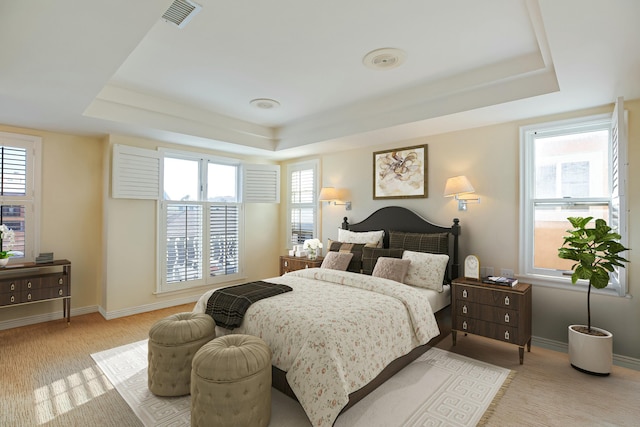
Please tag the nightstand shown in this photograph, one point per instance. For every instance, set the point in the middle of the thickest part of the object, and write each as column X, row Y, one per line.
column 292, row 263
column 492, row 311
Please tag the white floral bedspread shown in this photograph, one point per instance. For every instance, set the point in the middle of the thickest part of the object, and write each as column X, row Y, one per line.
column 331, row 337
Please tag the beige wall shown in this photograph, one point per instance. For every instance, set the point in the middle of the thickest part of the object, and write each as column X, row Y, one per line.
column 489, row 156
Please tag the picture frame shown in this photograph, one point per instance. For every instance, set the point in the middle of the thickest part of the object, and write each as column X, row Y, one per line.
column 401, row 173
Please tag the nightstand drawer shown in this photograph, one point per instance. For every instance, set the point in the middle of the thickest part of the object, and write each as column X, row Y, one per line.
column 494, row 297
column 488, row 329
column 503, row 316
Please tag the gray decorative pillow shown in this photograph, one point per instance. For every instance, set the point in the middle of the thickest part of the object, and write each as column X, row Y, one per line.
column 391, row 268
column 371, row 255
column 337, row 260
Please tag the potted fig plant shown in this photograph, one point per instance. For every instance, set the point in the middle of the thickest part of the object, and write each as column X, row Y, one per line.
column 596, row 252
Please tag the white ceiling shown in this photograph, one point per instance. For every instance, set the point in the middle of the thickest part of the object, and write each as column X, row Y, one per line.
column 96, row 67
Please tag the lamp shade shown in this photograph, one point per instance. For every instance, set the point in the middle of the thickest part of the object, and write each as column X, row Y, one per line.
column 458, row 185
column 328, row 194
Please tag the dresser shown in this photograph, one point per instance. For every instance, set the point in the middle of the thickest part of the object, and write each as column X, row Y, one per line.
column 492, row 311
column 292, row 263
column 29, row 283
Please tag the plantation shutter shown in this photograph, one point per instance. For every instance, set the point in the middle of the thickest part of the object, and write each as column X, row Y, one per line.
column 303, row 206
column 261, row 183
column 183, row 242
column 224, row 239
column 135, row 173
column 619, row 185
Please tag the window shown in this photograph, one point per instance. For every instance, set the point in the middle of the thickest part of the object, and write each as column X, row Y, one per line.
column 19, row 194
column 569, row 168
column 200, row 221
column 302, row 207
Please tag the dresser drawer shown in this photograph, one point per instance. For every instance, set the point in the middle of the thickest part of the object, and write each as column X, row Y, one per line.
column 501, row 315
column 42, row 293
column 10, row 298
column 7, row 286
column 494, row 297
column 488, row 329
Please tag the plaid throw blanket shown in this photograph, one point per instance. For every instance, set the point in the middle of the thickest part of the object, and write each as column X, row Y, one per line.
column 227, row 306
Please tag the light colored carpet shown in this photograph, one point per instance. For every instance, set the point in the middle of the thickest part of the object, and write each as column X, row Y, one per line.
column 439, row 388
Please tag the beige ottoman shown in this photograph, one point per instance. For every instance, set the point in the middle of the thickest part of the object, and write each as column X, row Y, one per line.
column 231, row 383
column 173, row 341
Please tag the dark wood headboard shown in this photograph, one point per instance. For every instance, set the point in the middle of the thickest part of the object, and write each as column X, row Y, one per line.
column 396, row 218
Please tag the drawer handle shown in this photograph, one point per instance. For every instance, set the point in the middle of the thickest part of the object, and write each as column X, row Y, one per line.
column 506, row 318
column 464, row 293
column 464, row 325
column 506, row 335
column 29, row 285
column 60, row 281
column 464, row 309
column 286, row 263
column 13, row 299
column 506, row 300
column 29, row 297
column 60, row 292
column 13, row 286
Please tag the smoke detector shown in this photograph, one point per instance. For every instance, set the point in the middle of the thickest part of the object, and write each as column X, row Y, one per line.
column 385, row 58
column 264, row 103
column 181, row 12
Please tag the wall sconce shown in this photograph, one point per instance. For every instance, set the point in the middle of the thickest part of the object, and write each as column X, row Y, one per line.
column 330, row 194
column 460, row 185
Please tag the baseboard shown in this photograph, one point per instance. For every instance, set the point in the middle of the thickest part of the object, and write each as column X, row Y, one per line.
column 108, row 315
column 147, row 307
column 47, row 317
column 562, row 347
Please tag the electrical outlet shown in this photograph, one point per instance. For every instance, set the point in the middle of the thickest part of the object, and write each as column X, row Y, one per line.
column 506, row 272
column 486, row 271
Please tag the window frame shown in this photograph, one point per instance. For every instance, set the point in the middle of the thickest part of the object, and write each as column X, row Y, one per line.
column 33, row 196
column 163, row 286
column 299, row 166
column 557, row 278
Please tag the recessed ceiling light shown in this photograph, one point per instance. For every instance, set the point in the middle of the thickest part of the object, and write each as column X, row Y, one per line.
column 264, row 103
column 385, row 58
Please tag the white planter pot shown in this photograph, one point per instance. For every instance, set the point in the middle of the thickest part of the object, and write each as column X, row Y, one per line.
column 589, row 353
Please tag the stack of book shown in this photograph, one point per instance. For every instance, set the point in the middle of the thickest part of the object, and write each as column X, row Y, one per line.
column 499, row 280
column 44, row 258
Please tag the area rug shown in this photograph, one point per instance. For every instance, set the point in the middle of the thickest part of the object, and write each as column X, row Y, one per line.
column 439, row 388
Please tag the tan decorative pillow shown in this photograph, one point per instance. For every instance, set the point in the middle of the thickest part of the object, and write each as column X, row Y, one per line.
column 337, row 260
column 391, row 268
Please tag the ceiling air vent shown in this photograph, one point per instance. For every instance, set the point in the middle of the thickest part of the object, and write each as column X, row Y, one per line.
column 181, row 12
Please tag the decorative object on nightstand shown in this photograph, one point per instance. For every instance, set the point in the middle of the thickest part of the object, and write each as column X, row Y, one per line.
column 472, row 267
column 312, row 246
column 7, row 240
column 292, row 263
column 596, row 254
column 493, row 311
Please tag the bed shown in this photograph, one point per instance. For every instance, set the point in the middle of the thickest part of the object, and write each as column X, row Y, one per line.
column 340, row 334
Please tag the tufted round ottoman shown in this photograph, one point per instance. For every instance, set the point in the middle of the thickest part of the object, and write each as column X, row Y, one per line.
column 231, row 383
column 173, row 341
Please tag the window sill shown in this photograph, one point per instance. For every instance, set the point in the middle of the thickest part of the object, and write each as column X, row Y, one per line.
column 565, row 284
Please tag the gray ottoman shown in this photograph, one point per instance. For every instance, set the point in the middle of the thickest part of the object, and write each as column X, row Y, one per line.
column 231, row 383
column 173, row 341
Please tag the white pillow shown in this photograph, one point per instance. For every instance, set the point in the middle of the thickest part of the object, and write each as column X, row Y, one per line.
column 367, row 237
column 426, row 270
